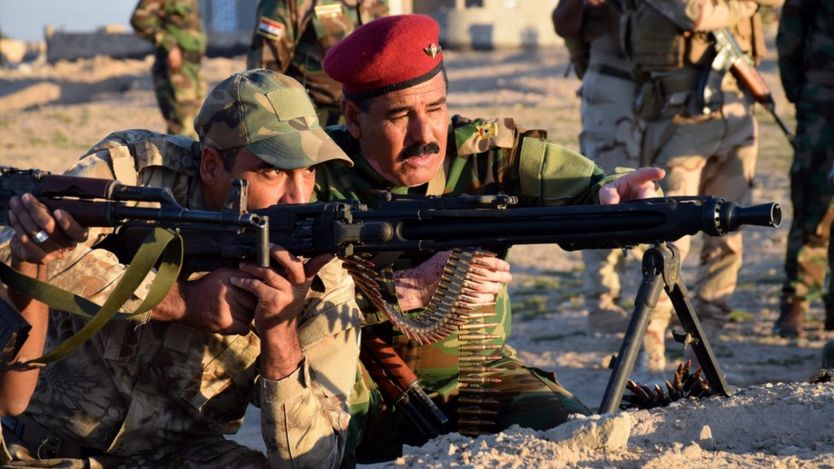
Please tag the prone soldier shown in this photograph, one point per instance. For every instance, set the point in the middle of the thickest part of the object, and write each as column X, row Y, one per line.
column 163, row 388
column 176, row 32
column 292, row 36
column 402, row 139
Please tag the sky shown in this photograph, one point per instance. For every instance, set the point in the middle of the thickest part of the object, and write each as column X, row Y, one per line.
column 25, row 19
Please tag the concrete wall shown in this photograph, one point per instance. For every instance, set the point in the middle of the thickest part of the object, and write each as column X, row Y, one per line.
column 479, row 24
column 62, row 45
column 501, row 23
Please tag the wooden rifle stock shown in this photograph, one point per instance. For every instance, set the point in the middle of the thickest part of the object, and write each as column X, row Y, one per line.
column 399, row 385
column 752, row 80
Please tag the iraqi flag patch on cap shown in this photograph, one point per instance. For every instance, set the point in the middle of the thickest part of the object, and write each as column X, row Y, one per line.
column 270, row 28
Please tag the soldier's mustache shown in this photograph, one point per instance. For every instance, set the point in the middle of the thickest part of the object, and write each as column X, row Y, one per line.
column 419, row 150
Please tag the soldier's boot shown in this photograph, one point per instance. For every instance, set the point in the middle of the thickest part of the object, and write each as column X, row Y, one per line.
column 654, row 346
column 828, row 355
column 789, row 323
column 829, row 313
column 605, row 316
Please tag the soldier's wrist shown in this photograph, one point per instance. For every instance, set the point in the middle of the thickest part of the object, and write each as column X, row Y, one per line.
column 281, row 355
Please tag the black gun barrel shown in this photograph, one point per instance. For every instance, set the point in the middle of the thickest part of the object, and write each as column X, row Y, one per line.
column 732, row 216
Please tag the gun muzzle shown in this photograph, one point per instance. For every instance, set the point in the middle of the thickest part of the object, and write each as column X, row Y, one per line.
column 731, row 217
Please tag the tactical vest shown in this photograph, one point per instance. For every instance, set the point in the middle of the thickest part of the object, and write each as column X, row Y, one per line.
column 669, row 62
column 653, row 43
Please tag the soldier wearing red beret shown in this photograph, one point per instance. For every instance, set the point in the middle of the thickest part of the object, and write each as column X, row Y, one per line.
column 402, row 139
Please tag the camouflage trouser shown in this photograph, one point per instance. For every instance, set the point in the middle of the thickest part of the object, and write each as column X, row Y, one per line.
column 195, row 453
column 611, row 137
column 527, row 396
column 179, row 94
column 708, row 156
column 806, row 260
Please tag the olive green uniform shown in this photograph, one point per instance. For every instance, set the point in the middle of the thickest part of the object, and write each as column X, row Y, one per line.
column 483, row 157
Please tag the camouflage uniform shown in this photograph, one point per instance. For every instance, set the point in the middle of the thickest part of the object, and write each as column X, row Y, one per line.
column 484, row 157
column 159, row 394
column 169, row 24
column 806, row 64
column 611, row 137
column 292, row 37
column 712, row 154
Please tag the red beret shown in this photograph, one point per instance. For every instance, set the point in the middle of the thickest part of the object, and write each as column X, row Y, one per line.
column 385, row 55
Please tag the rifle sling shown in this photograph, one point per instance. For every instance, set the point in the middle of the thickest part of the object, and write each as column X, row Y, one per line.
column 156, row 246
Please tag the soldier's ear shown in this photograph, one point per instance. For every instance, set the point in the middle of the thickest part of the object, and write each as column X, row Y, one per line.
column 351, row 112
column 210, row 164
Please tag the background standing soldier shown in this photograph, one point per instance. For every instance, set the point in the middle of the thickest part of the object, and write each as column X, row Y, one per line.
column 610, row 133
column 705, row 147
column 806, row 65
column 292, row 36
column 176, row 32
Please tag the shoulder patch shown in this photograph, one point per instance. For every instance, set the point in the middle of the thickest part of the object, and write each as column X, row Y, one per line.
column 270, row 28
column 480, row 135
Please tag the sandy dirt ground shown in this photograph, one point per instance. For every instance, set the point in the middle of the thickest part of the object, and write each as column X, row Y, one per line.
column 51, row 114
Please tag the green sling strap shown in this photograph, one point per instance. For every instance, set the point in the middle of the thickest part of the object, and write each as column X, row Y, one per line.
column 157, row 245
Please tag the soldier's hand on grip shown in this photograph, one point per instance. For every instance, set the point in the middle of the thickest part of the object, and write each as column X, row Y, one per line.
column 280, row 295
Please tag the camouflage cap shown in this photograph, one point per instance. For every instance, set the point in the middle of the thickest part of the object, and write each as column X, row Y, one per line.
column 271, row 115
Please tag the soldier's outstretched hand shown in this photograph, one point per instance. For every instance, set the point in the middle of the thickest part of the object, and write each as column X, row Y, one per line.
column 42, row 236
column 639, row 184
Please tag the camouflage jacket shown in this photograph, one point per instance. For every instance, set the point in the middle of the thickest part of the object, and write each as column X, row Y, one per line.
column 170, row 23
column 483, row 157
column 135, row 389
column 292, row 37
column 806, row 45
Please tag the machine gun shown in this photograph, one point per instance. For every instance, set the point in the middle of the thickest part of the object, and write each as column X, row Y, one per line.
column 730, row 57
column 404, row 225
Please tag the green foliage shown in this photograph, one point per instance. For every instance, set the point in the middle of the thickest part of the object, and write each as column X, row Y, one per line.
column 738, row 315
column 555, row 337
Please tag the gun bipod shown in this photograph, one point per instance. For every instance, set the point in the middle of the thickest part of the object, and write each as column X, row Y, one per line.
column 661, row 270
